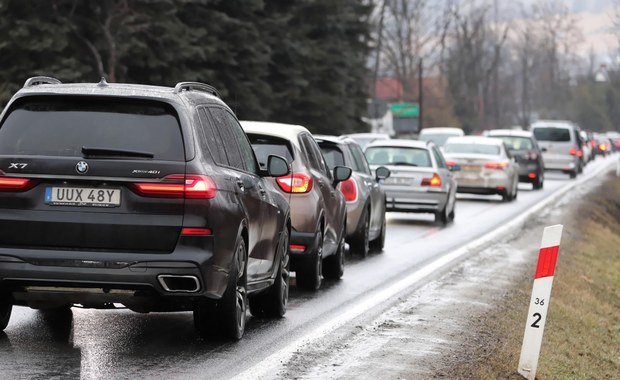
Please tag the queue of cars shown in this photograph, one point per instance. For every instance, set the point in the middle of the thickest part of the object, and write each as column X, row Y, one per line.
column 159, row 199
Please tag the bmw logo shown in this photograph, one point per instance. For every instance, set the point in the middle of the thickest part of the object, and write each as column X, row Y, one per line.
column 81, row 167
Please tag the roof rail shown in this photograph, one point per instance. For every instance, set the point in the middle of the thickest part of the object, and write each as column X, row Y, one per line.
column 35, row 81
column 196, row 86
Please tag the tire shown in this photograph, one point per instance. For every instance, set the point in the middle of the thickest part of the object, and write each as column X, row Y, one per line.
column 506, row 196
column 538, row 184
column 273, row 302
column 515, row 190
column 573, row 174
column 441, row 217
column 309, row 276
column 452, row 213
column 360, row 244
column 5, row 313
column 333, row 266
column 378, row 244
column 230, row 310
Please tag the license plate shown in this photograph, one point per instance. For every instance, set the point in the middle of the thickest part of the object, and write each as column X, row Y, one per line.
column 470, row 168
column 398, row 181
column 82, row 196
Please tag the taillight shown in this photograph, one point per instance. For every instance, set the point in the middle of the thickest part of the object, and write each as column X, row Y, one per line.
column 531, row 175
column 16, row 184
column 602, row 147
column 497, row 165
column 179, row 186
column 348, row 188
column 575, row 152
column 295, row 183
column 451, row 164
column 297, row 248
column 593, row 143
column 434, row 181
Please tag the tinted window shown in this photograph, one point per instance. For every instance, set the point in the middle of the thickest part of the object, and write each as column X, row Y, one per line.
column 314, row 153
column 516, row 142
column 244, row 144
column 552, row 134
column 333, row 155
column 381, row 155
column 488, row 149
column 439, row 158
column 231, row 148
column 210, row 140
column 265, row 145
column 61, row 126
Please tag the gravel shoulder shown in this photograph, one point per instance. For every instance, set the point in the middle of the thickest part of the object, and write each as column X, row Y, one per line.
column 453, row 326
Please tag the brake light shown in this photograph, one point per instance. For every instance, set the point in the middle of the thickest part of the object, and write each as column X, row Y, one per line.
column 497, row 165
column 593, row 143
column 348, row 188
column 295, row 183
column 297, row 248
column 434, row 181
column 451, row 164
column 575, row 152
column 602, row 147
column 531, row 175
column 194, row 231
column 16, row 184
column 179, row 186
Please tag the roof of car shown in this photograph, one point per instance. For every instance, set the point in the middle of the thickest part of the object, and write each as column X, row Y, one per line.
column 398, row 143
column 442, row 131
column 509, row 132
column 474, row 140
column 553, row 123
column 114, row 89
column 287, row 131
column 335, row 139
column 366, row 134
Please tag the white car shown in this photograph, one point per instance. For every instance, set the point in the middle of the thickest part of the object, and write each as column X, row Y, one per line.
column 439, row 135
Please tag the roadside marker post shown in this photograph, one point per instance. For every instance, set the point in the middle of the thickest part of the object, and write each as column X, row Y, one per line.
column 539, row 303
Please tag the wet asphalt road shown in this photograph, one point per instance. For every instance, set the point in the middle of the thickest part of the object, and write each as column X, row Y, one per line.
column 122, row 344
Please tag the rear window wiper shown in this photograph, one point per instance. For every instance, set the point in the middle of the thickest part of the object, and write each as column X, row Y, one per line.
column 108, row 152
column 403, row 163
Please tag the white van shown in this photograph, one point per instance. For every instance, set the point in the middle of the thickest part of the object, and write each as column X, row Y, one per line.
column 560, row 144
column 439, row 135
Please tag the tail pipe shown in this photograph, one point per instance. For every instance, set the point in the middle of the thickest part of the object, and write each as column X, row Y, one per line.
column 179, row 283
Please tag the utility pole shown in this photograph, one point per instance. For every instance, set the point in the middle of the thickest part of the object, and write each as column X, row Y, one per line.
column 496, row 70
column 420, row 94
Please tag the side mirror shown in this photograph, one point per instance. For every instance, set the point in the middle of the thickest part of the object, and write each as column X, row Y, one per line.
column 341, row 173
column 382, row 173
column 277, row 166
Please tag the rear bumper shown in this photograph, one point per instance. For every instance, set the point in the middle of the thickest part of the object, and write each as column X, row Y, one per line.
column 92, row 279
column 308, row 254
column 428, row 201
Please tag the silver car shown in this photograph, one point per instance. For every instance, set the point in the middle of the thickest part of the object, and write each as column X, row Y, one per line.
column 560, row 144
column 420, row 179
column 364, row 196
column 486, row 166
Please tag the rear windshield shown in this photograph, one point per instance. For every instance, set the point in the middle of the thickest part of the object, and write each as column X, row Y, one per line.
column 333, row 155
column 62, row 126
column 439, row 139
column 492, row 150
column 552, row 134
column 265, row 145
column 382, row 155
column 516, row 142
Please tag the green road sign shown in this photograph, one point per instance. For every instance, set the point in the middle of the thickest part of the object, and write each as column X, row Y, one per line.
column 405, row 109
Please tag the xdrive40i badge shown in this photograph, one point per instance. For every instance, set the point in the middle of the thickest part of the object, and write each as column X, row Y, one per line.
column 81, row 167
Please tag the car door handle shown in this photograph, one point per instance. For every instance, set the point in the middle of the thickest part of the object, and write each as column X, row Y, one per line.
column 262, row 191
column 240, row 184
column 321, row 184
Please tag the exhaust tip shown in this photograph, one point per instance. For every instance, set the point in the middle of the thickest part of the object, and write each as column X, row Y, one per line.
column 179, row 283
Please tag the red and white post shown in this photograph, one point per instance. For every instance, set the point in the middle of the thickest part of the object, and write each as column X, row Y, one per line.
column 539, row 303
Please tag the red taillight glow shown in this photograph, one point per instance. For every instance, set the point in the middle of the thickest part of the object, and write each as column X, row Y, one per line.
column 16, row 184
column 497, row 165
column 195, row 231
column 575, row 152
column 593, row 143
column 295, row 183
column 451, row 164
column 531, row 175
column 434, row 181
column 179, row 186
column 297, row 248
column 348, row 188
column 602, row 147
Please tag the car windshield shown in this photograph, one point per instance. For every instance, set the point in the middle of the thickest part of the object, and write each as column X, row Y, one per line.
column 552, row 134
column 517, row 142
column 382, row 155
column 264, row 146
column 487, row 149
column 333, row 155
column 63, row 126
column 438, row 138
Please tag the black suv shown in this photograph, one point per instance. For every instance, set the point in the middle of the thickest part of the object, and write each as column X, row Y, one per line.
column 146, row 196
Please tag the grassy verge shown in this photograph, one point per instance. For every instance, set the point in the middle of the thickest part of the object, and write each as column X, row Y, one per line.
column 582, row 334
